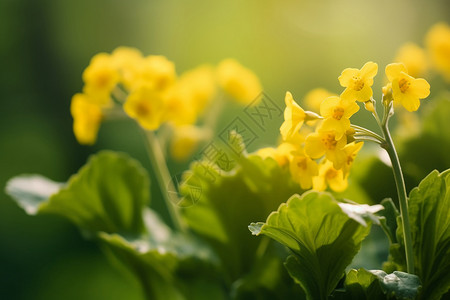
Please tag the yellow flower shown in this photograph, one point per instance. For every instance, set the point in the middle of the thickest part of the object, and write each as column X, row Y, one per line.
column 200, row 83
column 100, row 78
column 337, row 114
column 351, row 150
column 237, row 81
column 185, row 141
column 303, row 169
column 180, row 108
column 145, row 105
column 324, row 143
column 438, row 45
column 283, row 154
column 314, row 98
column 127, row 60
column 329, row 176
column 358, row 82
column 406, row 89
column 86, row 119
column 414, row 58
column 156, row 71
column 294, row 116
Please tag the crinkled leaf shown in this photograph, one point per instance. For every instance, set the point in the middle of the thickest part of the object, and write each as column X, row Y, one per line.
column 172, row 266
column 324, row 240
column 227, row 200
column 429, row 215
column 378, row 285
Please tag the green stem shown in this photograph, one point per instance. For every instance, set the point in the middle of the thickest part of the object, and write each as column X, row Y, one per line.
column 159, row 166
column 402, row 197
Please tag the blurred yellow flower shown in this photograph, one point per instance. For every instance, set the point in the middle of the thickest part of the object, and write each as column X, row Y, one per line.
column 303, row 169
column 438, row 45
column 314, row 98
column 358, row 82
column 329, row 176
column 324, row 143
column 100, row 78
column 337, row 115
column 283, row 154
column 127, row 61
column 294, row 116
column 157, row 72
column 180, row 107
column 414, row 58
column 185, row 141
column 87, row 117
column 351, row 150
column 237, row 81
column 200, row 84
column 406, row 89
column 146, row 106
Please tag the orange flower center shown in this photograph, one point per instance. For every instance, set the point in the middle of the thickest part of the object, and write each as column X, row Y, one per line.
column 329, row 141
column 331, row 173
column 143, row 109
column 302, row 164
column 403, row 84
column 358, row 83
column 338, row 112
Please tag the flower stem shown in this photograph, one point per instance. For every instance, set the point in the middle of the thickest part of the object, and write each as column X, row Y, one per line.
column 165, row 183
column 402, row 197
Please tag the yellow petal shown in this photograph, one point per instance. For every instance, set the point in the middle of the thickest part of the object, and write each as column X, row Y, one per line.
column 327, row 106
column 314, row 147
column 346, row 76
column 410, row 102
column 420, row 87
column 369, row 70
column 393, row 70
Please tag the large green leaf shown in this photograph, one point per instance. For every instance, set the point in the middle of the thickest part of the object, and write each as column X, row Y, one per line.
column 107, row 194
column 323, row 238
column 228, row 199
column 107, row 200
column 429, row 214
column 170, row 265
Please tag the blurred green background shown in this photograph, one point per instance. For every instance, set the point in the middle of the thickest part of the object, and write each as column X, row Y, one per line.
column 46, row 44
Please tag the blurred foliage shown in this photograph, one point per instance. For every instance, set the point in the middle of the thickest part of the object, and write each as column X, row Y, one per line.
column 45, row 44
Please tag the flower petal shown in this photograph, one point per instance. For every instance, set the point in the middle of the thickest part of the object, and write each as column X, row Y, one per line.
column 369, row 70
column 393, row 70
column 420, row 87
column 346, row 76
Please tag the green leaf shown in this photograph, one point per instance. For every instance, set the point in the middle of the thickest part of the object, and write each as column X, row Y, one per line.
column 388, row 219
column 429, row 215
column 378, row 285
column 227, row 200
column 171, row 265
column 323, row 238
column 29, row 191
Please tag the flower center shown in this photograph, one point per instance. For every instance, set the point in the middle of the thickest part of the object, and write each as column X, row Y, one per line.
column 302, row 164
column 403, row 84
column 143, row 109
column 331, row 173
column 358, row 84
column 329, row 141
column 338, row 112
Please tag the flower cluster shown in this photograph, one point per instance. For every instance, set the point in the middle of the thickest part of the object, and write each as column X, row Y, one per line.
column 320, row 149
column 148, row 89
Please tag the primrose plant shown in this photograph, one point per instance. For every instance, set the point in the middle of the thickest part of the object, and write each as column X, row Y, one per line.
column 305, row 248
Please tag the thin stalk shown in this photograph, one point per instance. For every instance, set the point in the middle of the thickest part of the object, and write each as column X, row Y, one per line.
column 402, row 197
column 159, row 166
